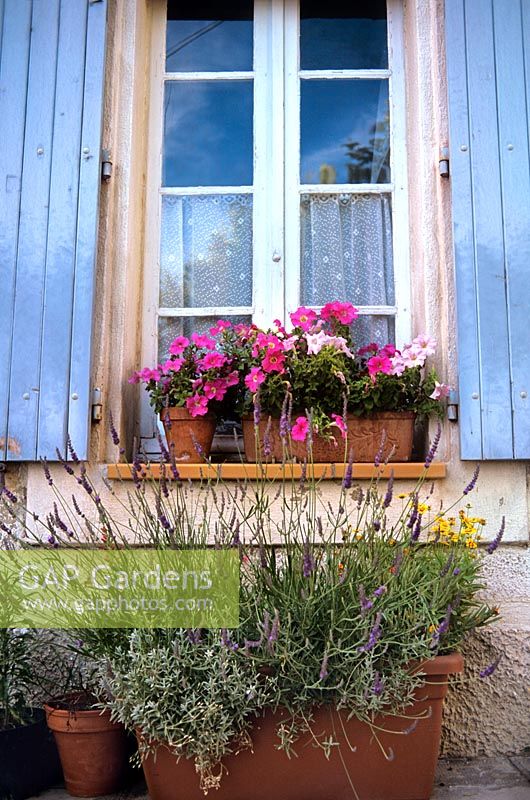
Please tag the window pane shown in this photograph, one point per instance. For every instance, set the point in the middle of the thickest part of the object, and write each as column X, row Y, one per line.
column 346, row 246
column 206, row 251
column 380, row 329
column 345, row 135
column 171, row 327
column 335, row 36
column 209, row 36
column 208, row 133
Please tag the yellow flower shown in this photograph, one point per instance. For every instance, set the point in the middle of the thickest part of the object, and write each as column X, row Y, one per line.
column 359, row 536
column 471, row 544
column 432, row 628
column 402, row 495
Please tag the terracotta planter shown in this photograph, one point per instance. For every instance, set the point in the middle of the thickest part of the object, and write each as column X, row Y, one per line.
column 32, row 743
column 364, row 436
column 264, row 772
column 191, row 437
column 93, row 750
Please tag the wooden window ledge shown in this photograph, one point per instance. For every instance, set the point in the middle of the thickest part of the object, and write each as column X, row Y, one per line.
column 231, row 471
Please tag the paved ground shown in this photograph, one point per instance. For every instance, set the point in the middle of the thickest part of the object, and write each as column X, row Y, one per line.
column 463, row 779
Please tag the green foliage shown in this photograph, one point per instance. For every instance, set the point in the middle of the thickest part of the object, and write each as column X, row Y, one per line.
column 16, row 675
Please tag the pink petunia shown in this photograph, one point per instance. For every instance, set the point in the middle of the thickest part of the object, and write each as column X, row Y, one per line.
column 202, row 340
column 413, row 357
column 344, row 313
column 232, row 379
column 378, row 364
column 268, row 342
column 173, row 364
column 135, row 378
column 388, row 350
column 273, row 362
column 338, row 420
column 300, row 429
column 212, row 361
column 279, row 326
column 254, row 379
column 178, row 345
column 147, row 374
column 221, row 325
column 398, row 367
column 303, row 318
column 372, row 348
column 425, row 343
column 197, row 405
column 440, row 390
column 215, row 390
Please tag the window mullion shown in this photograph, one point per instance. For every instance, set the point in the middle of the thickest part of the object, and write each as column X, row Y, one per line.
column 291, row 187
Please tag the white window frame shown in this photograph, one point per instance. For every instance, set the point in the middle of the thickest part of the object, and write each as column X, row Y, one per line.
column 276, row 190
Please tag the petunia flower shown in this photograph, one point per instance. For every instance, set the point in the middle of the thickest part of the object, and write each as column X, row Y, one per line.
column 178, row 345
column 300, row 429
column 197, row 405
column 173, row 364
column 425, row 343
column 338, row 420
column 440, row 390
column 303, row 318
column 273, row 362
column 254, row 379
column 413, row 356
column 378, row 364
column 344, row 313
column 221, row 325
column 212, row 361
column 202, row 340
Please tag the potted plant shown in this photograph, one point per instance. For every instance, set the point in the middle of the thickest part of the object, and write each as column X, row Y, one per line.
column 187, row 390
column 350, row 618
column 319, row 390
column 23, row 731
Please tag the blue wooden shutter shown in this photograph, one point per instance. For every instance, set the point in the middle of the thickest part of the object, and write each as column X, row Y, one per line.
column 51, row 99
column 488, row 66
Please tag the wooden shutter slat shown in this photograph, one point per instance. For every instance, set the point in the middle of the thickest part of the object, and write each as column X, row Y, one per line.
column 33, row 229
column 14, row 63
column 60, row 253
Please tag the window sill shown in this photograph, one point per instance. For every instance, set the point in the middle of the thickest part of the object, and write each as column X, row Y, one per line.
column 231, row 471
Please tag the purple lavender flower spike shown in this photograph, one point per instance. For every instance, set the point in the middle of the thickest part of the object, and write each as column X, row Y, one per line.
column 447, row 566
column 9, row 494
column 323, row 674
column 70, row 447
column 284, row 424
column 496, row 542
column 380, row 591
column 417, row 530
column 374, row 636
column 457, row 571
column 377, row 525
column 434, row 447
column 389, row 490
column 309, row 562
column 378, row 685
column 442, row 628
column 485, row 673
column 113, row 431
column 379, row 454
column 163, row 449
column 348, row 475
column 471, row 485
column 257, row 410
column 64, row 462
column 46, row 470
column 366, row 604
column 414, row 513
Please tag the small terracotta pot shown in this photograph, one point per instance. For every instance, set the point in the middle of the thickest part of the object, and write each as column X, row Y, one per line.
column 265, row 772
column 93, row 750
column 364, row 437
column 191, row 437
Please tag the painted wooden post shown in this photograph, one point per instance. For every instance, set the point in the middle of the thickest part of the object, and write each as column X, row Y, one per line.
column 488, row 48
column 51, row 100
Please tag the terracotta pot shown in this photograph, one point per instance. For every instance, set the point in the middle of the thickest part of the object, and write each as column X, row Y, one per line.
column 93, row 750
column 191, row 437
column 264, row 772
column 364, row 436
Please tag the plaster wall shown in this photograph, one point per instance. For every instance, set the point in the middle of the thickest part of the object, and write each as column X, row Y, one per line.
column 481, row 717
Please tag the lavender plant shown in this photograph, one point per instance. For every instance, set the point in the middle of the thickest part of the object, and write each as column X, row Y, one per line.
column 337, row 600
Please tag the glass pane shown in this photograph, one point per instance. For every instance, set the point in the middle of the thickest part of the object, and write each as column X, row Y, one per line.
column 345, row 136
column 208, row 133
column 171, row 327
column 209, row 36
column 206, row 251
column 367, row 329
column 333, row 35
column 346, row 247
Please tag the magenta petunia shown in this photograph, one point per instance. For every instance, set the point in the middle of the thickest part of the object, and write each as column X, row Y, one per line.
column 254, row 379
column 338, row 420
column 212, row 361
column 273, row 362
column 300, row 429
column 378, row 364
column 344, row 313
column 197, row 405
column 221, row 325
column 303, row 318
column 178, row 345
column 173, row 364
column 202, row 340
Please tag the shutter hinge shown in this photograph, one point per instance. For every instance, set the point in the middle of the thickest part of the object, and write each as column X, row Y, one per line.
column 443, row 162
column 452, row 405
column 97, row 405
column 106, row 166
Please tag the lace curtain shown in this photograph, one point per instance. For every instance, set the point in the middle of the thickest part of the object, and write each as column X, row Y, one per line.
column 346, row 251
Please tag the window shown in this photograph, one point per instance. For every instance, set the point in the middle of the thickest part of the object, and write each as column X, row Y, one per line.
column 277, row 166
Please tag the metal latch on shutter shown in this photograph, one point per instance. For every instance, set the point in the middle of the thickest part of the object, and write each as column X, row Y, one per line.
column 106, row 166
column 443, row 162
column 97, row 405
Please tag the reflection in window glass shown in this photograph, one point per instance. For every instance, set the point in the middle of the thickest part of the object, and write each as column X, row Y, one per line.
column 345, row 132
column 338, row 35
column 208, row 133
column 209, row 36
column 206, row 251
